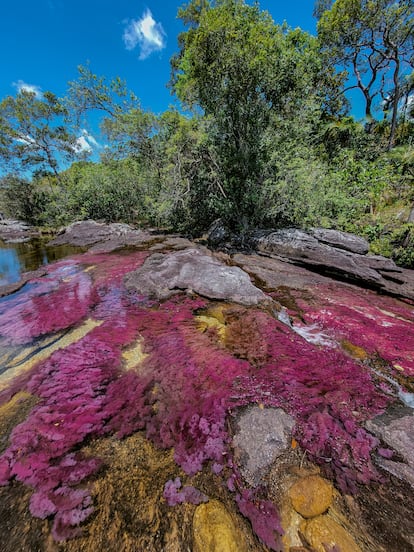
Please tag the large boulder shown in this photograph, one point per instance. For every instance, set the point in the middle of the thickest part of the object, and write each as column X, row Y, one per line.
column 163, row 275
column 307, row 250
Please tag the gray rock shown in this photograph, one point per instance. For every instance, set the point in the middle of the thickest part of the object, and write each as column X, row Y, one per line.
column 304, row 249
column 162, row 275
column 218, row 233
column 262, row 436
column 341, row 240
column 16, row 231
column 396, row 429
column 103, row 237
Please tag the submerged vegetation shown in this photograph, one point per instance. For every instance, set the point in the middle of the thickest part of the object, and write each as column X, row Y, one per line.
column 264, row 137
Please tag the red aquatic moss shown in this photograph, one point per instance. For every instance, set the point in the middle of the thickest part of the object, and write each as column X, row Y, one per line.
column 264, row 518
column 181, row 395
column 45, row 308
column 82, row 393
column 329, row 395
column 379, row 324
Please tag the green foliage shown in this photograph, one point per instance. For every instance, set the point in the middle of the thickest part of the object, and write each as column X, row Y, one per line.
column 106, row 191
column 93, row 92
column 374, row 41
column 33, row 135
column 40, row 201
column 242, row 69
column 403, row 242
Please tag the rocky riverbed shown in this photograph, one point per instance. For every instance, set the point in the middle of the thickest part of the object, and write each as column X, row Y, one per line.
column 158, row 395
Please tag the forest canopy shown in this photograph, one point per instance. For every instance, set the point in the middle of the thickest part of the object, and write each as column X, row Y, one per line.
column 264, row 135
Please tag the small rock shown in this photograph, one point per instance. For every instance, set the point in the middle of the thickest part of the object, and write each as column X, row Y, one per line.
column 311, row 495
column 263, row 435
column 323, row 533
column 291, row 522
column 214, row 530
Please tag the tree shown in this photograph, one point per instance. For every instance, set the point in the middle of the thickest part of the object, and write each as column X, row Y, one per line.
column 33, row 134
column 374, row 40
column 93, row 92
column 240, row 68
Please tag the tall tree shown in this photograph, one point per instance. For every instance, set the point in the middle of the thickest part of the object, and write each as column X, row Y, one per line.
column 374, row 40
column 33, row 134
column 239, row 67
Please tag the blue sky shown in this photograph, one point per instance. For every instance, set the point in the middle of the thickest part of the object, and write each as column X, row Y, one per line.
column 43, row 41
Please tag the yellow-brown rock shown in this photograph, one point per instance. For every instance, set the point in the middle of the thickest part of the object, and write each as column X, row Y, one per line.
column 214, row 530
column 354, row 350
column 323, row 533
column 311, row 495
column 134, row 355
column 206, row 322
column 291, row 522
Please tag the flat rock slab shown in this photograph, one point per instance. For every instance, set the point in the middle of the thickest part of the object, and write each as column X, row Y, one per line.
column 308, row 249
column 163, row 275
column 341, row 240
column 103, row 237
column 262, row 436
column 396, row 429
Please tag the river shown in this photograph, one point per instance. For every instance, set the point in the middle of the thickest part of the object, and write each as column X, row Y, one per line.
column 16, row 258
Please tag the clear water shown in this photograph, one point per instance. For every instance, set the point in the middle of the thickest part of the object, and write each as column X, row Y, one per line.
column 16, row 258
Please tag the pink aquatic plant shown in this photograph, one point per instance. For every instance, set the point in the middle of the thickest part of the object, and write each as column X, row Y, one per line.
column 45, row 309
column 181, row 394
column 174, row 493
column 329, row 395
column 378, row 324
column 264, row 518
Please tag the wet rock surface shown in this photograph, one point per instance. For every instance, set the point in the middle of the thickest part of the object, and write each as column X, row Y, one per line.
column 163, row 275
column 311, row 496
column 215, row 531
column 324, row 533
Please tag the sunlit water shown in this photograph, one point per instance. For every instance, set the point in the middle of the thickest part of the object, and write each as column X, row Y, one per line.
column 17, row 258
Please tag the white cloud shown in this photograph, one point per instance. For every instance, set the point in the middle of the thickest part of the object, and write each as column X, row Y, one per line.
column 86, row 143
column 26, row 140
column 145, row 32
column 82, row 145
column 24, row 86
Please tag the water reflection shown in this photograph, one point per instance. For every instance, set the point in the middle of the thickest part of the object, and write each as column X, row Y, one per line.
column 16, row 258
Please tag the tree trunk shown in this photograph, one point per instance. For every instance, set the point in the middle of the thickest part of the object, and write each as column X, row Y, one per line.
column 396, row 99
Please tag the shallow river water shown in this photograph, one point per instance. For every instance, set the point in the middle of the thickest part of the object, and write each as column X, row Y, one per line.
column 16, row 258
